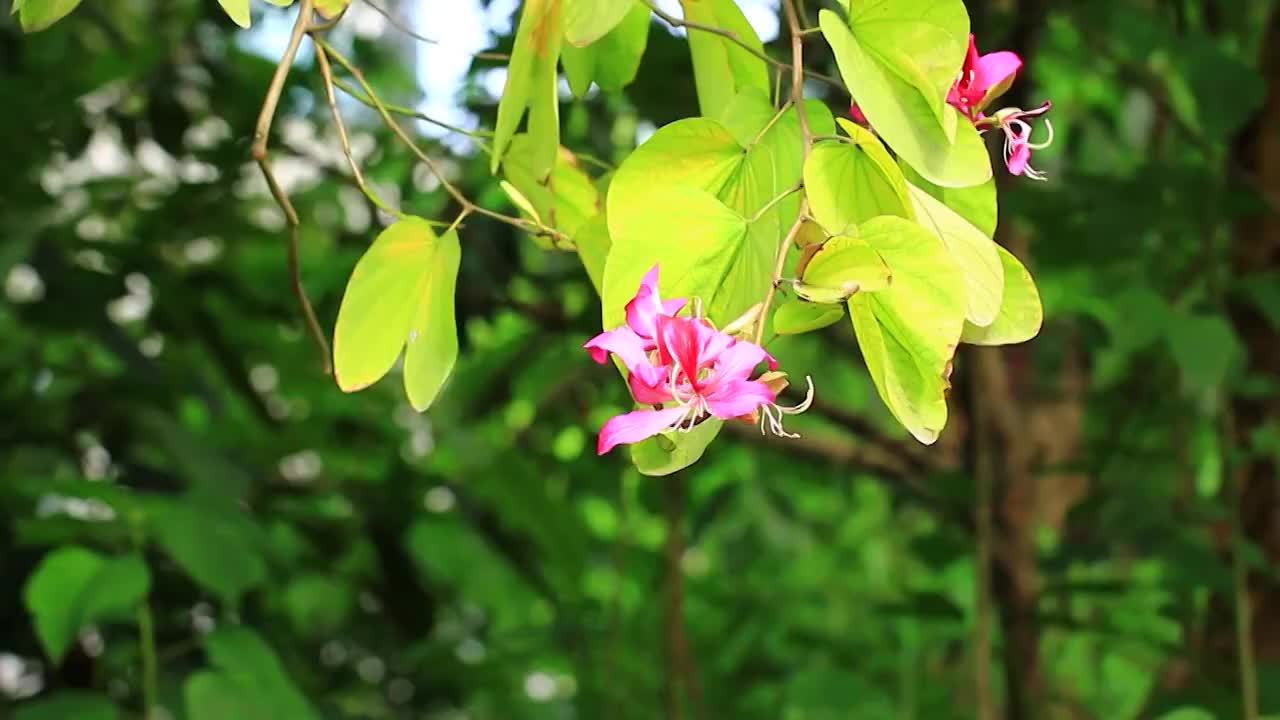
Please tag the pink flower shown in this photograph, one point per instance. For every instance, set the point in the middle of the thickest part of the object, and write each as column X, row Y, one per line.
column 686, row 370
column 1017, row 139
column 983, row 78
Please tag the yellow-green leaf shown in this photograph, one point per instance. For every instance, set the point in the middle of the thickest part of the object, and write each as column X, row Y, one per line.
column 237, row 10
column 908, row 331
column 844, row 266
column 797, row 316
column 36, row 15
column 851, row 182
column 972, row 250
column 330, row 8
column 592, row 242
column 722, row 68
column 976, row 203
column 531, row 85
column 673, row 451
column 586, row 21
column 906, row 118
column 564, row 200
column 1020, row 313
column 400, row 293
column 613, row 60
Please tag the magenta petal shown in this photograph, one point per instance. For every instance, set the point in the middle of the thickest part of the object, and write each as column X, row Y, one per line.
column 993, row 69
column 673, row 306
column 636, row 426
column 680, row 341
column 1018, row 158
column 737, row 397
column 650, row 385
column 620, row 341
column 737, row 362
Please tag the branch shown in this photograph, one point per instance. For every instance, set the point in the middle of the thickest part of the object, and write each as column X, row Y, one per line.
column 259, row 152
column 468, row 207
column 403, row 27
column 410, row 112
column 737, row 40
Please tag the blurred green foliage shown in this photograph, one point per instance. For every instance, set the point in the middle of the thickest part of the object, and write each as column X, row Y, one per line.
column 304, row 553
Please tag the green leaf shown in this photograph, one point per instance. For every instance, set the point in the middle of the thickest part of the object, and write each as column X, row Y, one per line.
column 1206, row 349
column 613, row 60
column 586, row 21
column 976, row 203
column 972, row 250
column 797, row 316
column 531, row 84
column 721, row 67
column 68, row 705
column 703, row 249
column 74, row 587
column 1020, row 313
column 401, row 292
column 846, row 265
column 908, row 331
column 330, row 8
column 848, row 183
column 36, row 15
column 593, row 246
column 250, row 682
column 237, row 10
column 318, row 605
column 674, row 451
column 660, row 184
column 566, row 201
column 904, row 117
column 921, row 42
column 1188, row 713
column 214, row 544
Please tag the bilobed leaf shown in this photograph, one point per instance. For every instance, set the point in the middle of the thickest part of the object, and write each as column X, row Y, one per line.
column 1020, row 313
column 237, row 10
column 846, row 265
column 68, row 705
column 674, row 451
column 592, row 241
column 400, row 292
column 682, row 164
column 613, row 60
column 797, row 316
column 37, row 15
column 722, row 68
column 703, row 249
column 972, row 250
column 586, row 21
column 922, row 42
column 908, row 331
column 976, row 203
column 848, row 183
column 566, row 200
column 215, row 545
column 904, row 117
column 74, row 587
column 531, row 85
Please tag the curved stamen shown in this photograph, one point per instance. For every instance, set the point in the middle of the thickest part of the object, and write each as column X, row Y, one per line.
column 1042, row 145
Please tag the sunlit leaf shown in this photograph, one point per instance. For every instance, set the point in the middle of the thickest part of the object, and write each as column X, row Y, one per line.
column 976, row 203
column 565, row 200
column 331, row 8
column 613, row 60
column 401, row 292
column 531, row 85
column 904, row 117
column 36, row 15
column 586, row 21
column 722, row 68
column 908, row 332
column 1020, row 312
column 846, row 265
column 237, row 10
column 797, row 316
column 673, row 451
column 593, row 245
column 972, row 250
column 851, row 182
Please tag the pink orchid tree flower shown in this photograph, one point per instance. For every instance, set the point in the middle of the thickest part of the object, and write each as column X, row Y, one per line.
column 983, row 78
column 687, row 371
column 1017, row 139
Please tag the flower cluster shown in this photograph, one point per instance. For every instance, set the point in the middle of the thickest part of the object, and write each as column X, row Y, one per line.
column 982, row 79
column 686, row 371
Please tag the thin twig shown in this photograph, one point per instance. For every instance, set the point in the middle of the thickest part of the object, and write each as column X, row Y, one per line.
column 475, row 135
column 737, row 40
column 326, row 72
column 258, row 150
column 779, row 264
column 468, row 207
column 403, row 27
column 777, row 199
